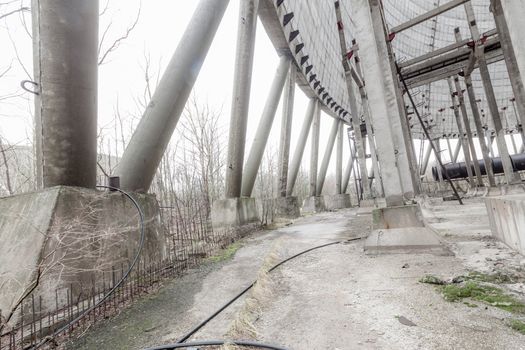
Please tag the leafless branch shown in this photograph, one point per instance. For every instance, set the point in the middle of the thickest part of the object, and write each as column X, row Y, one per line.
column 116, row 43
column 21, row 9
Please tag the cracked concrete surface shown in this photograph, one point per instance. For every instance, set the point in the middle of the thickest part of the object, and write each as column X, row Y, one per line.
column 333, row 298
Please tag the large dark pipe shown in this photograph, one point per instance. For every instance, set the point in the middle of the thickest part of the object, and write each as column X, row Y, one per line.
column 459, row 170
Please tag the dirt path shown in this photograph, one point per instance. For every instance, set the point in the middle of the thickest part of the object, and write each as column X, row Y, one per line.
column 333, row 298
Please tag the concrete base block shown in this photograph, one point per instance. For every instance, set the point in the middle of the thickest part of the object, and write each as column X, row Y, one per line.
column 313, row 205
column 404, row 240
column 337, row 201
column 507, row 220
column 234, row 212
column 287, row 208
column 72, row 235
column 397, row 217
column 367, row 203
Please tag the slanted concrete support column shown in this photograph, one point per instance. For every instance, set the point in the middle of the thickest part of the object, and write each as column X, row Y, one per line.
column 145, row 150
column 251, row 168
column 339, row 160
column 348, row 170
column 242, row 79
column 426, row 158
column 480, row 131
column 299, row 149
column 510, row 175
column 461, row 132
column 449, row 146
column 509, row 50
column 382, row 99
column 314, row 203
column 456, row 151
column 286, row 130
column 468, row 131
column 66, row 104
column 314, row 152
column 326, row 158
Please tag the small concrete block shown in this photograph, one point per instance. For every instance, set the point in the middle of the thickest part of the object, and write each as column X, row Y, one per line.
column 337, row 201
column 507, row 220
column 234, row 212
column 287, row 208
column 397, row 217
column 313, row 205
column 404, row 240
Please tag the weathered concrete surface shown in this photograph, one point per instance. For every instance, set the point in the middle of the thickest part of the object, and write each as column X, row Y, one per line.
column 397, row 217
column 337, row 201
column 287, row 208
column 313, row 205
column 507, row 220
column 71, row 235
column 332, row 298
column 234, row 212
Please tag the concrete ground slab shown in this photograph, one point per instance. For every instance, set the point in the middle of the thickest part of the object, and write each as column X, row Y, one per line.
column 404, row 240
column 234, row 212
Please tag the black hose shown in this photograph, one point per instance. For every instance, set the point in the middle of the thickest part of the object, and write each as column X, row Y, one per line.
column 212, row 316
column 119, row 283
column 218, row 342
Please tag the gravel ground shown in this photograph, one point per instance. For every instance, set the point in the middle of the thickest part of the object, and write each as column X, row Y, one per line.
column 332, row 298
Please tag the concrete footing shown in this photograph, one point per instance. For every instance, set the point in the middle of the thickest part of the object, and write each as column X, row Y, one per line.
column 337, row 201
column 404, row 240
column 72, row 236
column 313, row 205
column 397, row 217
column 401, row 230
column 507, row 220
column 287, row 208
column 234, row 212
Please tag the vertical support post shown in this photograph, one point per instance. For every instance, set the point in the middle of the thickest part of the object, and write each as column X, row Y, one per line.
column 456, row 151
column 450, row 152
column 247, row 27
column 468, row 130
column 299, row 149
column 251, row 168
column 383, row 100
column 66, row 104
column 144, row 152
column 348, row 169
column 327, row 155
column 286, row 129
column 378, row 182
column 510, row 175
column 462, row 137
column 438, row 156
column 314, row 153
column 510, row 59
column 339, row 160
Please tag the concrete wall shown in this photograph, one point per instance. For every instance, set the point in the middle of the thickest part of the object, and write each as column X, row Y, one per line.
column 72, row 236
column 507, row 220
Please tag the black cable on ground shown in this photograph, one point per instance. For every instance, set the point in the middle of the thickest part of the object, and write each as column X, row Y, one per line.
column 221, row 309
column 216, row 343
column 119, row 283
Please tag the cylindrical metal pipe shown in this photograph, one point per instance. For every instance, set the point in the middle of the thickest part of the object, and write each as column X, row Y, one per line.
column 326, row 158
column 65, row 43
column 146, row 148
column 299, row 149
column 459, row 170
column 242, row 79
column 251, row 168
column 286, row 130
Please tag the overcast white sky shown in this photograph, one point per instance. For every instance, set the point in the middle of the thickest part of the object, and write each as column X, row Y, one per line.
column 161, row 25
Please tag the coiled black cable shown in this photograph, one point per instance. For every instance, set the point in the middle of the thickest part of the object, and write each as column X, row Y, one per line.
column 119, row 283
column 218, row 342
